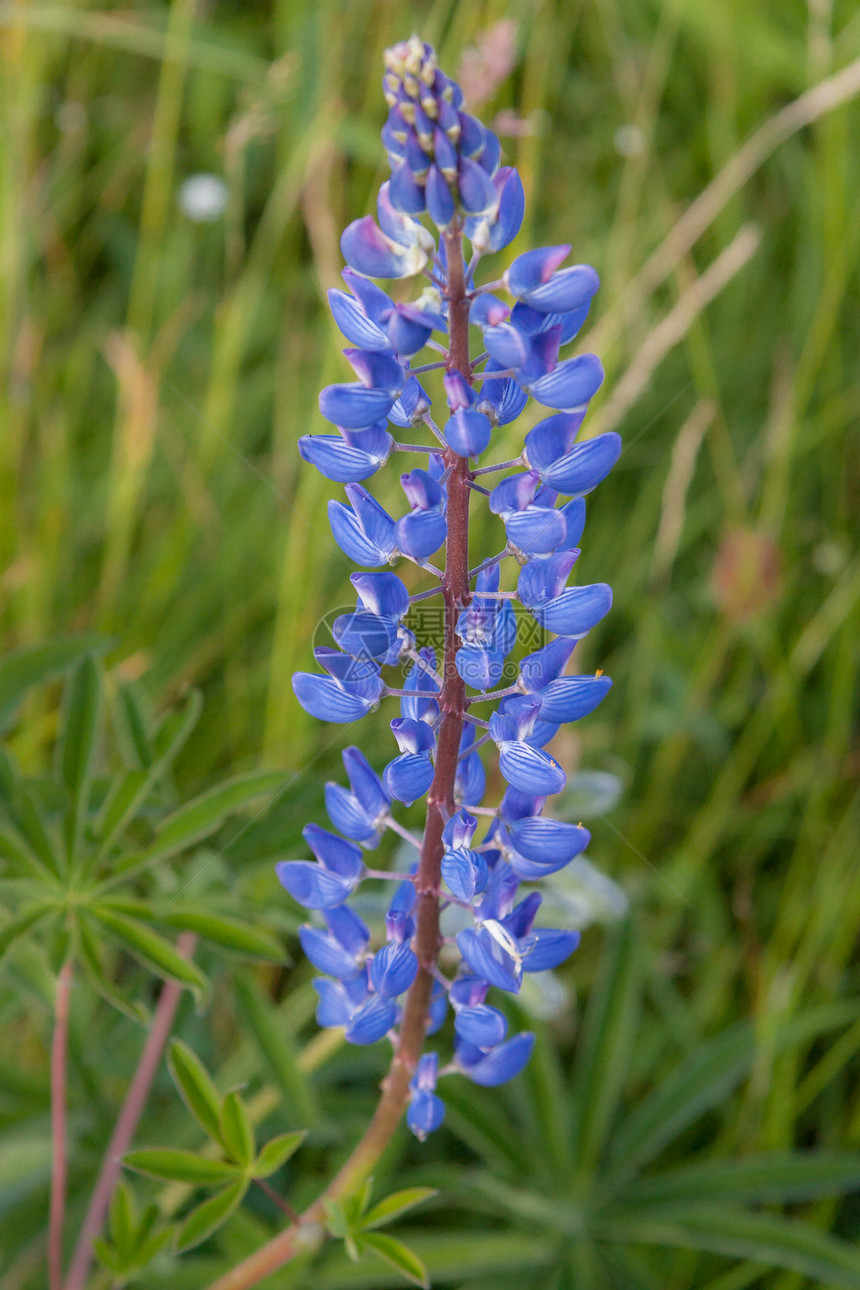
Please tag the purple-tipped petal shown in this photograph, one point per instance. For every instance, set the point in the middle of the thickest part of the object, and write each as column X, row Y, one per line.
column 368, row 250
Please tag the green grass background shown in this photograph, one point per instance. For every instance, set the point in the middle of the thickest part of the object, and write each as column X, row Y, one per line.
column 160, row 372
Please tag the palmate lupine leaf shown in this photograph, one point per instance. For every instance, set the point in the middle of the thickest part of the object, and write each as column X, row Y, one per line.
column 787, row 1176
column 277, row 1152
column 208, row 1216
column 397, row 1254
column 237, row 1133
column 170, row 1164
column 153, row 950
column 196, row 1088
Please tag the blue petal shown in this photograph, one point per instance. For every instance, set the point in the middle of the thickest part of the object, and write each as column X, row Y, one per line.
column 576, row 610
column 326, row 954
column 348, row 815
column 544, row 665
column 488, row 960
column 364, row 782
column 574, row 515
column 530, row 769
column 471, row 781
column 324, row 699
column 337, row 460
column 425, row 1112
column 465, row 872
column 364, row 635
column 420, row 533
column 372, row 1021
column 408, row 777
column 413, row 736
column 354, row 406
column 364, row 531
column 536, row 530
column 568, row 385
column 371, row 252
column 480, row 668
column 548, row 840
column 406, row 194
column 381, row 593
column 566, row 290
column 504, row 1062
column 459, row 830
column 546, row 948
column 481, row 1025
column 552, row 438
column 514, row 493
column 393, row 969
column 312, row 885
column 334, row 1007
column 335, row 853
column 468, row 432
column 583, row 468
column 541, row 580
column 440, row 203
column 507, row 345
column 346, row 927
column 533, row 268
column 572, row 697
column 477, row 193
column 354, row 322
column 504, row 395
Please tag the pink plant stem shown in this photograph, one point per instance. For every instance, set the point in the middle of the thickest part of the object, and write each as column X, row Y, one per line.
column 308, row 1232
column 127, row 1121
column 59, row 1049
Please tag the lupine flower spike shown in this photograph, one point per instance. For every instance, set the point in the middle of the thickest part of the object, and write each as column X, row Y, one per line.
column 447, row 187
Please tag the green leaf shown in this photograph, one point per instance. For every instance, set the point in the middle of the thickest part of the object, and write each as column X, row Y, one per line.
column 276, row 1046
column 152, row 949
column 277, row 1152
column 602, row 1062
column 203, row 815
column 355, row 1205
column 236, row 1131
column 123, row 1220
column 394, row 1205
column 107, row 1256
column 10, row 932
column 131, row 790
column 337, row 1223
column 33, row 830
column 208, row 1217
column 397, row 1254
column 195, row 1087
column 76, row 747
column 131, row 726
column 90, row 947
column 34, row 663
column 173, row 1165
column 231, row 933
column 777, row 1177
column 766, row 1238
column 14, row 847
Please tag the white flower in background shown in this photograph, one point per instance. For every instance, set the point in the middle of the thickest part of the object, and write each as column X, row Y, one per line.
column 202, row 198
column 629, row 141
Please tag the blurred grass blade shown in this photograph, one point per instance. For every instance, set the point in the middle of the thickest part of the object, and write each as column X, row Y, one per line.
column 34, row 663
column 76, row 749
column 10, row 931
column 767, row 1238
column 602, row 1060
column 784, row 1177
column 202, row 816
column 277, row 1047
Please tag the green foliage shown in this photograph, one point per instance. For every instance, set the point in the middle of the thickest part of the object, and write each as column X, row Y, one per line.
column 354, row 1223
column 159, row 374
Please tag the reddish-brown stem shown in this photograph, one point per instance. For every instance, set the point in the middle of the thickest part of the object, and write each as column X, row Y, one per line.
column 307, row 1232
column 59, row 1049
column 127, row 1121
